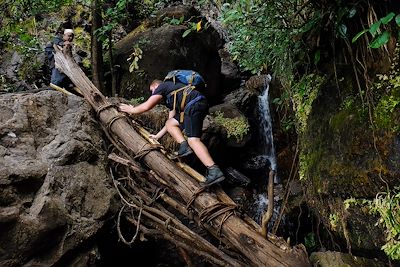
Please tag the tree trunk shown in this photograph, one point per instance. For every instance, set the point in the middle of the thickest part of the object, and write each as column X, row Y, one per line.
column 212, row 212
column 97, row 49
column 112, row 66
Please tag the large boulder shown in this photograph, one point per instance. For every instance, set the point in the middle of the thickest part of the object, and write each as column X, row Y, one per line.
column 162, row 49
column 54, row 186
column 347, row 161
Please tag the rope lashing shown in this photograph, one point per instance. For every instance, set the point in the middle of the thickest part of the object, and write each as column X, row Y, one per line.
column 113, row 119
column 146, row 148
column 210, row 213
column 195, row 194
column 104, row 107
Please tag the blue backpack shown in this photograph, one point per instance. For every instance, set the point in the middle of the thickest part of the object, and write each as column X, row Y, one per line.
column 188, row 77
column 192, row 80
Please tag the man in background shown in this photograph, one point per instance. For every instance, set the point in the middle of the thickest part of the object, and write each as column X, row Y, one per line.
column 65, row 41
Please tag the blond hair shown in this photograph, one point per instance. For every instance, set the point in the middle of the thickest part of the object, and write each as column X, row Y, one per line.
column 155, row 83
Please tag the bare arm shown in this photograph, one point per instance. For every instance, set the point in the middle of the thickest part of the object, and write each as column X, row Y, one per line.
column 163, row 131
column 146, row 106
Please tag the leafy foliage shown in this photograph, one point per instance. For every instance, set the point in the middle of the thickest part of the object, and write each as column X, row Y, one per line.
column 386, row 113
column 260, row 36
column 17, row 13
column 380, row 38
column 121, row 12
column 237, row 127
column 134, row 58
column 192, row 26
column 387, row 205
column 304, row 94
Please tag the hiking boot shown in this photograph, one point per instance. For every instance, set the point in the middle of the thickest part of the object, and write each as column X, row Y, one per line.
column 213, row 175
column 184, row 149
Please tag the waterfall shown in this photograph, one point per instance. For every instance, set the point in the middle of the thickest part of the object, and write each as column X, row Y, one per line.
column 260, row 206
column 268, row 152
column 266, row 124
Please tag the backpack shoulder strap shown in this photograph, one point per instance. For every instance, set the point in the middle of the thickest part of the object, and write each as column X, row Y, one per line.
column 186, row 90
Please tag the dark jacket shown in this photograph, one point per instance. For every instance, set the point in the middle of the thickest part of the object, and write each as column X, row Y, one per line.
column 49, row 49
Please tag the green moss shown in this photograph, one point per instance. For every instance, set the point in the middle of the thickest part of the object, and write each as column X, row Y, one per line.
column 334, row 220
column 237, row 127
column 309, row 162
column 348, row 112
column 385, row 115
column 136, row 101
column 304, row 94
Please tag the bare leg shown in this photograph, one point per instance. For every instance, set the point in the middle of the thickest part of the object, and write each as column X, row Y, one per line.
column 174, row 130
column 195, row 143
column 201, row 151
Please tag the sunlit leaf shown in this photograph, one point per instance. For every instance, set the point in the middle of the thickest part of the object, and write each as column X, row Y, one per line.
column 374, row 28
column 397, row 19
column 186, row 33
column 358, row 35
column 198, row 26
column 380, row 40
column 388, row 18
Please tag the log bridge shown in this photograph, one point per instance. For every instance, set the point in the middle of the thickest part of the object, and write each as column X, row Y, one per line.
column 211, row 208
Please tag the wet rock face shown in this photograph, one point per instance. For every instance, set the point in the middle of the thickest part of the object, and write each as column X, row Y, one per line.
column 54, row 188
column 341, row 162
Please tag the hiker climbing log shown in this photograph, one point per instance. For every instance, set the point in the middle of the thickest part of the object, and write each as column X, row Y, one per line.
column 219, row 217
column 188, row 107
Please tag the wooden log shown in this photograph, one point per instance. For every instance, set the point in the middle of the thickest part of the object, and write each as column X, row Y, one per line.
column 240, row 234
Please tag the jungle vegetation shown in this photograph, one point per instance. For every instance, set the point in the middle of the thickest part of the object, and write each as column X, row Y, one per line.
column 303, row 43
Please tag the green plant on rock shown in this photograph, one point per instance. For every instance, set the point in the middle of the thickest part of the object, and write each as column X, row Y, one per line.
column 386, row 114
column 384, row 111
column 304, row 94
column 134, row 58
column 136, row 101
column 387, row 205
column 237, row 127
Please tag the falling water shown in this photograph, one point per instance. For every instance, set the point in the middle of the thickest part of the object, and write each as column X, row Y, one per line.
column 268, row 150
column 266, row 124
column 260, row 206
